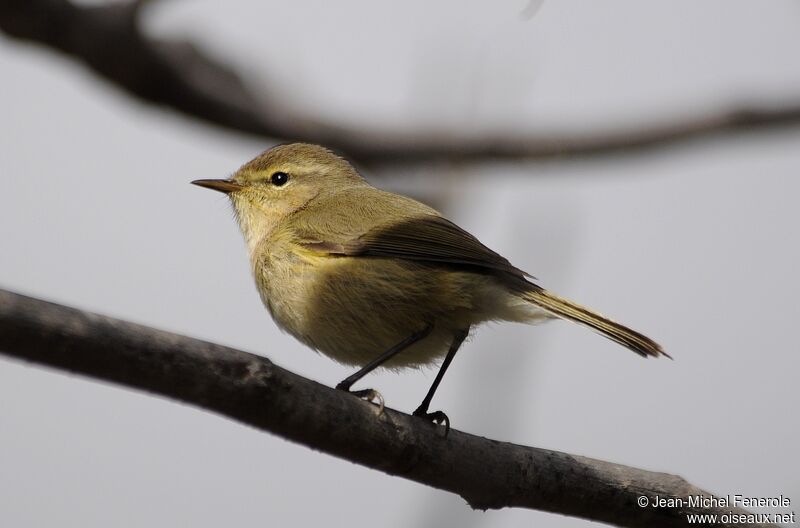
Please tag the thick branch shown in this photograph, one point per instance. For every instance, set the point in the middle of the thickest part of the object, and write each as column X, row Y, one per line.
column 251, row 389
column 110, row 41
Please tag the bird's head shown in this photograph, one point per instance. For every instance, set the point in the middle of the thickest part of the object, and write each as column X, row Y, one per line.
column 280, row 181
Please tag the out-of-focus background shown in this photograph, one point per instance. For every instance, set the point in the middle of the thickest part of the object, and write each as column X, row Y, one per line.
column 695, row 245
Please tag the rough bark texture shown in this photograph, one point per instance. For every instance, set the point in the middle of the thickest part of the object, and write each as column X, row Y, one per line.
column 251, row 389
column 179, row 75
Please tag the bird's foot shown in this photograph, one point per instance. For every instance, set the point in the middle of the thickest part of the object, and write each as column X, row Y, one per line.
column 436, row 417
column 370, row 395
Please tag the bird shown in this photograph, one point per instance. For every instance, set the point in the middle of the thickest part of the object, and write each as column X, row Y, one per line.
column 375, row 279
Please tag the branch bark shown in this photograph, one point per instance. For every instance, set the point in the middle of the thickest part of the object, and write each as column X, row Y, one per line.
column 110, row 41
column 253, row 390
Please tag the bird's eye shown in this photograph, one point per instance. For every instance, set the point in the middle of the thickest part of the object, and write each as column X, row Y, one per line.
column 279, row 178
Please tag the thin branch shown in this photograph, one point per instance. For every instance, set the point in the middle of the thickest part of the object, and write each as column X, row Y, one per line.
column 252, row 390
column 109, row 40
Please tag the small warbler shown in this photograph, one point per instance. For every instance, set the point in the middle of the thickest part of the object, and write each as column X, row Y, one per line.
column 371, row 278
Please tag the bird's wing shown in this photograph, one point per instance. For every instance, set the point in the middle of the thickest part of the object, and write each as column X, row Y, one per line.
column 426, row 238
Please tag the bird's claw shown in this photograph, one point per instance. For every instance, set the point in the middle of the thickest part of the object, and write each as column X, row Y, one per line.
column 372, row 396
column 436, row 417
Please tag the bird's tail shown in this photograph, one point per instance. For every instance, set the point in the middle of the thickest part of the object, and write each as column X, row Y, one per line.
column 565, row 309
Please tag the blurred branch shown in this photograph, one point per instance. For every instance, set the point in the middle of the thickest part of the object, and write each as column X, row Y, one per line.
column 252, row 390
column 177, row 74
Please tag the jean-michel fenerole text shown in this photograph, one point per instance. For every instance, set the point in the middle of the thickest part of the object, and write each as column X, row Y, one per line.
column 725, row 501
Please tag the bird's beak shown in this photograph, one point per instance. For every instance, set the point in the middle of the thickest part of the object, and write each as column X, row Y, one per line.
column 224, row 186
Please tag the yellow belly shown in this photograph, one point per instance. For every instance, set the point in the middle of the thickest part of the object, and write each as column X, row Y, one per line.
column 354, row 308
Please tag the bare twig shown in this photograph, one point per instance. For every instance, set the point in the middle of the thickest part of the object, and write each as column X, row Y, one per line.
column 179, row 75
column 251, row 389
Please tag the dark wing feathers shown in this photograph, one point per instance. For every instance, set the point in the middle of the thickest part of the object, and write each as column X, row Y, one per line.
column 427, row 238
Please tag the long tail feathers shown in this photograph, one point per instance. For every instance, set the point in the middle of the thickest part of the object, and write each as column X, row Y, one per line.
column 623, row 335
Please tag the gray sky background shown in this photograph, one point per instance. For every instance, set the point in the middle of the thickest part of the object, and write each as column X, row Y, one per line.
column 695, row 246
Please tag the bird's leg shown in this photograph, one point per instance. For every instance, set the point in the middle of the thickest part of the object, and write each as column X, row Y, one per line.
column 438, row 416
column 371, row 394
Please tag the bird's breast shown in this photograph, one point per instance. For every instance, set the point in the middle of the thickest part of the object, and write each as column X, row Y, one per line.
column 285, row 282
